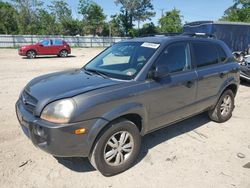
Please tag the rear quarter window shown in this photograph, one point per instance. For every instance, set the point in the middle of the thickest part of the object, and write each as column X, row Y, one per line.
column 205, row 54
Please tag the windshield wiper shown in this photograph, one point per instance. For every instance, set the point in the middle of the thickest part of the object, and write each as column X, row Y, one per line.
column 102, row 74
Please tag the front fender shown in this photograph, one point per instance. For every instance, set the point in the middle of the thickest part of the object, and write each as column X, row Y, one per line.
column 125, row 109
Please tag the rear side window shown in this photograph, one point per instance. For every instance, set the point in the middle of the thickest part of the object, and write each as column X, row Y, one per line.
column 57, row 42
column 205, row 54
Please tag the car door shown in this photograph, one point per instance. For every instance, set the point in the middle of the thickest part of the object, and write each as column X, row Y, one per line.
column 45, row 47
column 173, row 97
column 211, row 71
column 57, row 46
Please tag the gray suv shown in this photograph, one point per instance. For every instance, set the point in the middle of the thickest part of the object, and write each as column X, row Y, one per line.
column 130, row 89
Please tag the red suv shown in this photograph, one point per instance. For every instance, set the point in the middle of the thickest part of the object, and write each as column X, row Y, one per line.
column 46, row 47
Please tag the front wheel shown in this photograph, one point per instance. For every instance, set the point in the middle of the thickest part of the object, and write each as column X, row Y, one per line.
column 117, row 148
column 224, row 108
column 31, row 54
column 63, row 53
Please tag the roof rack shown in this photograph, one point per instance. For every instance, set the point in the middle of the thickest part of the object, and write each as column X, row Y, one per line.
column 202, row 35
column 198, row 35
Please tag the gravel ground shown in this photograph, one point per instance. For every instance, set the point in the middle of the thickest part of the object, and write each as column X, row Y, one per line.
column 193, row 153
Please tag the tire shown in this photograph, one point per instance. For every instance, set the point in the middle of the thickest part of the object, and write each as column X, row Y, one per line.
column 63, row 53
column 222, row 112
column 107, row 158
column 31, row 54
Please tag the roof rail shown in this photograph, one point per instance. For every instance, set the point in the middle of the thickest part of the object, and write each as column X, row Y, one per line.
column 202, row 35
column 160, row 34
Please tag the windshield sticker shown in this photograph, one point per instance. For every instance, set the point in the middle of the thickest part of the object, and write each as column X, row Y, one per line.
column 150, row 45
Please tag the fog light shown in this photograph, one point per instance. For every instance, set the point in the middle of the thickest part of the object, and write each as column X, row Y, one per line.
column 80, row 131
column 40, row 132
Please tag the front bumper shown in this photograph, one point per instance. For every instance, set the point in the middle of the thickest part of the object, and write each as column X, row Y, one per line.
column 21, row 52
column 56, row 139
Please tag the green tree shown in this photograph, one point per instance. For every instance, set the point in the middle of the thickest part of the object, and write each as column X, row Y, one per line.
column 93, row 17
column 8, row 16
column 134, row 10
column 61, row 10
column 72, row 27
column 47, row 23
column 144, row 11
column 28, row 15
column 239, row 12
column 148, row 29
column 117, row 25
column 171, row 22
column 63, row 15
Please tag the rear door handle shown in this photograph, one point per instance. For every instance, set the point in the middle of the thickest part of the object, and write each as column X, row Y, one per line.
column 189, row 84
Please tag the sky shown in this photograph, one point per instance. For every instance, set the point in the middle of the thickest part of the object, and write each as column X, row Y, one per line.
column 191, row 10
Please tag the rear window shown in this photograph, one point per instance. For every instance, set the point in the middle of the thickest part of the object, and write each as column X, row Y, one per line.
column 205, row 54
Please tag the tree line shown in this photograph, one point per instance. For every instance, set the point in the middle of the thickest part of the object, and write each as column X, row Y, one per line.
column 36, row 18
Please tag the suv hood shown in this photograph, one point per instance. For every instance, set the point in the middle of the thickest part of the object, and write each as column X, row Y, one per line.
column 66, row 84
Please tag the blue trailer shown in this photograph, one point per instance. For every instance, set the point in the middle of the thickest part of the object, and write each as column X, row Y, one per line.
column 235, row 34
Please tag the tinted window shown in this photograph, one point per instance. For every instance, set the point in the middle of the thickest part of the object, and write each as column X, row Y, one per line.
column 222, row 54
column 57, row 42
column 176, row 56
column 205, row 54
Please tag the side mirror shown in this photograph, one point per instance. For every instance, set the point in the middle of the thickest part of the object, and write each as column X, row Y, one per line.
column 159, row 72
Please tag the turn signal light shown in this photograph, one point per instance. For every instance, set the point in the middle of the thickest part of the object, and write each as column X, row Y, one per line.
column 80, row 131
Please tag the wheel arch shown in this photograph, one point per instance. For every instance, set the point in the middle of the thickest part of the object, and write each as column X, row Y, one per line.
column 135, row 113
column 232, row 86
column 31, row 50
column 62, row 50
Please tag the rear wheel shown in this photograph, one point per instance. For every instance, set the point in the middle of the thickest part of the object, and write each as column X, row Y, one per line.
column 63, row 53
column 31, row 54
column 117, row 148
column 224, row 108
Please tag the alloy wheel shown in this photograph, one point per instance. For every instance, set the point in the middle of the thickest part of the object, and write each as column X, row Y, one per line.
column 118, row 148
column 226, row 105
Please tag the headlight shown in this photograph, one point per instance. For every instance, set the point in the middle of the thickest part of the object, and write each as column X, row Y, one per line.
column 58, row 111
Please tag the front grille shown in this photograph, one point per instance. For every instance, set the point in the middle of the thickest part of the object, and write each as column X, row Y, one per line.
column 29, row 102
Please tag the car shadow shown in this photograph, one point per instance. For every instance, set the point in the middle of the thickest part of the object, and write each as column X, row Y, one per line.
column 50, row 57
column 149, row 141
column 155, row 138
column 245, row 83
column 77, row 164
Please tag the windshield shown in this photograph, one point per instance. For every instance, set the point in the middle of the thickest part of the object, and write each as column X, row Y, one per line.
column 122, row 60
